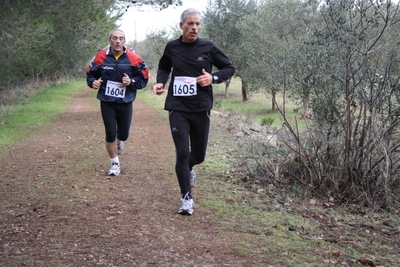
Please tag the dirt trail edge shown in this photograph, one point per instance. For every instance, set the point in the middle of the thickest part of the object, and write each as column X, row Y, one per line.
column 58, row 207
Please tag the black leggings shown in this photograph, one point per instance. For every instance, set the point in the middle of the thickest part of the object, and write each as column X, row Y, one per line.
column 117, row 120
column 192, row 129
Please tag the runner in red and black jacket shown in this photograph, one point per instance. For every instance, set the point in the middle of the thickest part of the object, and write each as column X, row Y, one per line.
column 117, row 74
column 108, row 68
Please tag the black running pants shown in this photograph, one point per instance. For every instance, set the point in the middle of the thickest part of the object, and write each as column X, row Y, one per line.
column 117, row 120
column 190, row 132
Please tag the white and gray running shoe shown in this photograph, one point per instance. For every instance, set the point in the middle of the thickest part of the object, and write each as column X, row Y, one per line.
column 120, row 145
column 187, row 206
column 115, row 169
column 193, row 178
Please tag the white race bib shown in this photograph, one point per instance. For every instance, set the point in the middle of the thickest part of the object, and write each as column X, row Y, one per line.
column 115, row 89
column 185, row 86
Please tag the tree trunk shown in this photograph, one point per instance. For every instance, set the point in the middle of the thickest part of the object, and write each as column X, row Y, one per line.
column 244, row 92
column 227, row 83
column 273, row 94
column 305, row 112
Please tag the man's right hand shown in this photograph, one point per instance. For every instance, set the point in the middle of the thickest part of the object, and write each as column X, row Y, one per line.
column 158, row 88
column 96, row 84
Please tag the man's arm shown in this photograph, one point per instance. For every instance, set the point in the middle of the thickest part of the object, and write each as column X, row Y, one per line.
column 164, row 68
column 93, row 71
column 140, row 72
column 224, row 65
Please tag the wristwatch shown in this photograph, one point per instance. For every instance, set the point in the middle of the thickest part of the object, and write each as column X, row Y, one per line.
column 132, row 82
column 215, row 79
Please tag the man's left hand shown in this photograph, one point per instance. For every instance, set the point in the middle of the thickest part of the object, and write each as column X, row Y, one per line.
column 205, row 79
column 126, row 80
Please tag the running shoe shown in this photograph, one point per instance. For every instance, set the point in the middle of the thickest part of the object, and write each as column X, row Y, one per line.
column 115, row 169
column 193, row 178
column 120, row 145
column 187, row 206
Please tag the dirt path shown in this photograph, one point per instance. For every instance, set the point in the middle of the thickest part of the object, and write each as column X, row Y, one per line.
column 60, row 209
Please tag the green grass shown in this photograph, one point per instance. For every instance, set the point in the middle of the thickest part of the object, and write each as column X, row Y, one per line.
column 36, row 111
column 261, row 233
column 257, row 109
column 150, row 98
column 260, row 221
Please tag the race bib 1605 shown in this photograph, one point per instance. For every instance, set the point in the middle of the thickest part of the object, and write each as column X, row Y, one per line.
column 185, row 86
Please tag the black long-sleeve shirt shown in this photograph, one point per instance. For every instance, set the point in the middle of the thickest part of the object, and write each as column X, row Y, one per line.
column 188, row 60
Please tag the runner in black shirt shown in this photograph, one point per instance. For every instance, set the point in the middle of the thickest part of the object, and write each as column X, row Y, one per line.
column 190, row 97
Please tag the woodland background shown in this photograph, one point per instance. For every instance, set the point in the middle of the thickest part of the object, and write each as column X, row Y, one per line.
column 338, row 60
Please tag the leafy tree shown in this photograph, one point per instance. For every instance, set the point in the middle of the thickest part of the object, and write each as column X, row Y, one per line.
column 47, row 40
column 269, row 37
column 44, row 40
column 220, row 24
column 354, row 149
column 157, row 4
column 152, row 48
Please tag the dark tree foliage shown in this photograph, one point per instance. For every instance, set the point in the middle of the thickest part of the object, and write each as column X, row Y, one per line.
column 157, row 4
column 46, row 40
column 220, row 24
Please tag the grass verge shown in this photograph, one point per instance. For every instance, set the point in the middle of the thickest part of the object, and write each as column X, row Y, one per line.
column 267, row 224
column 36, row 111
column 258, row 108
column 276, row 228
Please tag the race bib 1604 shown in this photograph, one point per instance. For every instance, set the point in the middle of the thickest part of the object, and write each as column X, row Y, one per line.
column 115, row 89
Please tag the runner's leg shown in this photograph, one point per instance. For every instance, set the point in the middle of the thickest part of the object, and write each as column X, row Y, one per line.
column 180, row 128
column 109, row 115
column 124, row 120
column 199, row 132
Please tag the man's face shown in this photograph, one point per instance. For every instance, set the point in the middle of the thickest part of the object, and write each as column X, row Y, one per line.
column 117, row 42
column 190, row 28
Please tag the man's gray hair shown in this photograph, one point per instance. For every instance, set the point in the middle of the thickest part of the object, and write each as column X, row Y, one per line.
column 187, row 12
column 114, row 30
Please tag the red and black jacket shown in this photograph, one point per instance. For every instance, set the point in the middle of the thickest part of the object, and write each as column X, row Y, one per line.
column 108, row 68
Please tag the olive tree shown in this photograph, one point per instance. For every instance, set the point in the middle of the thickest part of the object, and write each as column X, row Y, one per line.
column 44, row 40
column 352, row 150
column 269, row 36
column 152, row 48
column 220, row 24
column 49, row 40
column 157, row 4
